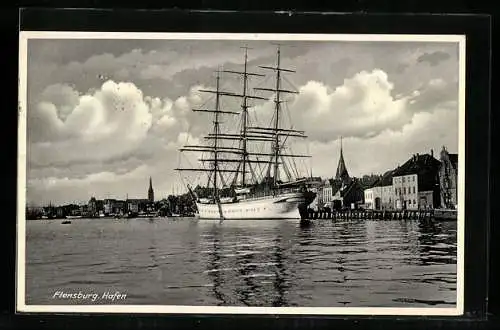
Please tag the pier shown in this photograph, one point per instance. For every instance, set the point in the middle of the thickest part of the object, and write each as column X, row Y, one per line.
column 373, row 215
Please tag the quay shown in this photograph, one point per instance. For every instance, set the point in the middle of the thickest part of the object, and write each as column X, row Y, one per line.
column 375, row 215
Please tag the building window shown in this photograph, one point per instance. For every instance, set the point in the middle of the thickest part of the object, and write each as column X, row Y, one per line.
column 414, row 179
column 413, row 189
column 403, row 179
column 414, row 202
column 404, row 190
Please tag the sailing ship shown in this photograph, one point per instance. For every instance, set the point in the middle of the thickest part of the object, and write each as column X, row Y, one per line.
column 235, row 189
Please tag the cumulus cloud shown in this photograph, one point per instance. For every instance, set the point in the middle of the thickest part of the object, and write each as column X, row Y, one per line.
column 112, row 121
column 62, row 96
column 363, row 105
column 390, row 148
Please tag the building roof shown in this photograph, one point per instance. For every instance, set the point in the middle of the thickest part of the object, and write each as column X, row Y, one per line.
column 385, row 180
column 351, row 187
column 416, row 165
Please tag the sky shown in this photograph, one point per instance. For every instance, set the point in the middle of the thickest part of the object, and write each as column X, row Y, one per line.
column 105, row 115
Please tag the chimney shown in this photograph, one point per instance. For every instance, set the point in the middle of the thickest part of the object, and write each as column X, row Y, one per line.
column 432, row 153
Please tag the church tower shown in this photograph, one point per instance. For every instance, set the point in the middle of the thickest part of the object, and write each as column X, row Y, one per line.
column 342, row 174
column 151, row 194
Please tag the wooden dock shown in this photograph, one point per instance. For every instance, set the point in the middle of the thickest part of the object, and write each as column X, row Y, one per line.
column 371, row 215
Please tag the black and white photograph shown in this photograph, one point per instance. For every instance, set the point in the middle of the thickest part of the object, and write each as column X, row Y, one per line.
column 241, row 173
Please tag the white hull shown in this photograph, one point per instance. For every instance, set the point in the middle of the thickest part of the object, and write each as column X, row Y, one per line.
column 280, row 207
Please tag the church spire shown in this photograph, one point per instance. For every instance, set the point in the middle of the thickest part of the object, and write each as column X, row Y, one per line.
column 151, row 194
column 342, row 173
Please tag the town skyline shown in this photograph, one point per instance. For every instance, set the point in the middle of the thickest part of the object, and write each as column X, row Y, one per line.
column 387, row 101
column 150, row 193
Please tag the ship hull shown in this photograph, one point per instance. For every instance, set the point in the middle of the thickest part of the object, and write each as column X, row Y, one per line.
column 283, row 207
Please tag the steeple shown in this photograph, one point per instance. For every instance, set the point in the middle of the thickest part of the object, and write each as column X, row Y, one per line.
column 151, row 194
column 342, row 173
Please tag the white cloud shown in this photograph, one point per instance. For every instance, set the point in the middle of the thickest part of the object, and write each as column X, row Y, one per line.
column 392, row 147
column 361, row 106
column 110, row 122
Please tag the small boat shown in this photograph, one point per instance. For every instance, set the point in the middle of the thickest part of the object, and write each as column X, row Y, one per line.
column 66, row 222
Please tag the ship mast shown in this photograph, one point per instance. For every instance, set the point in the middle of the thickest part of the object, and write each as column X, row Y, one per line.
column 276, row 131
column 276, row 135
column 244, row 107
column 214, row 149
column 216, row 132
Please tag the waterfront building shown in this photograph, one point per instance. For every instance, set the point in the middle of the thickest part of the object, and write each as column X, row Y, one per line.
column 349, row 195
column 448, row 174
column 84, row 210
column 71, row 209
column 60, row 212
column 380, row 195
column 33, row 212
column 416, row 184
column 92, row 207
column 326, row 195
column 119, row 207
column 370, row 180
column 108, row 206
column 137, row 205
column 114, row 206
column 372, row 198
column 95, row 207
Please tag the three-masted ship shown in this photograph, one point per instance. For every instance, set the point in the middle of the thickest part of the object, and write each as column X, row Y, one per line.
column 243, row 181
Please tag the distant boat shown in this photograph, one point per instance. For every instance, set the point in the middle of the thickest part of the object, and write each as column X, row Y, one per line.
column 66, row 222
column 73, row 216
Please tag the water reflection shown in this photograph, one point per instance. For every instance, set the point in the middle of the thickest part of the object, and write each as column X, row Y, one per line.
column 214, row 269
column 238, row 263
column 243, row 264
column 437, row 243
column 264, row 266
column 280, row 282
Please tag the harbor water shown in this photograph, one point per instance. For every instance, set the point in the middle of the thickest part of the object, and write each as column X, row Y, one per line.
column 184, row 261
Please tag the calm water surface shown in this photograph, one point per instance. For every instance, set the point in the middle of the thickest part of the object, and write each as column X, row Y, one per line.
column 243, row 263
